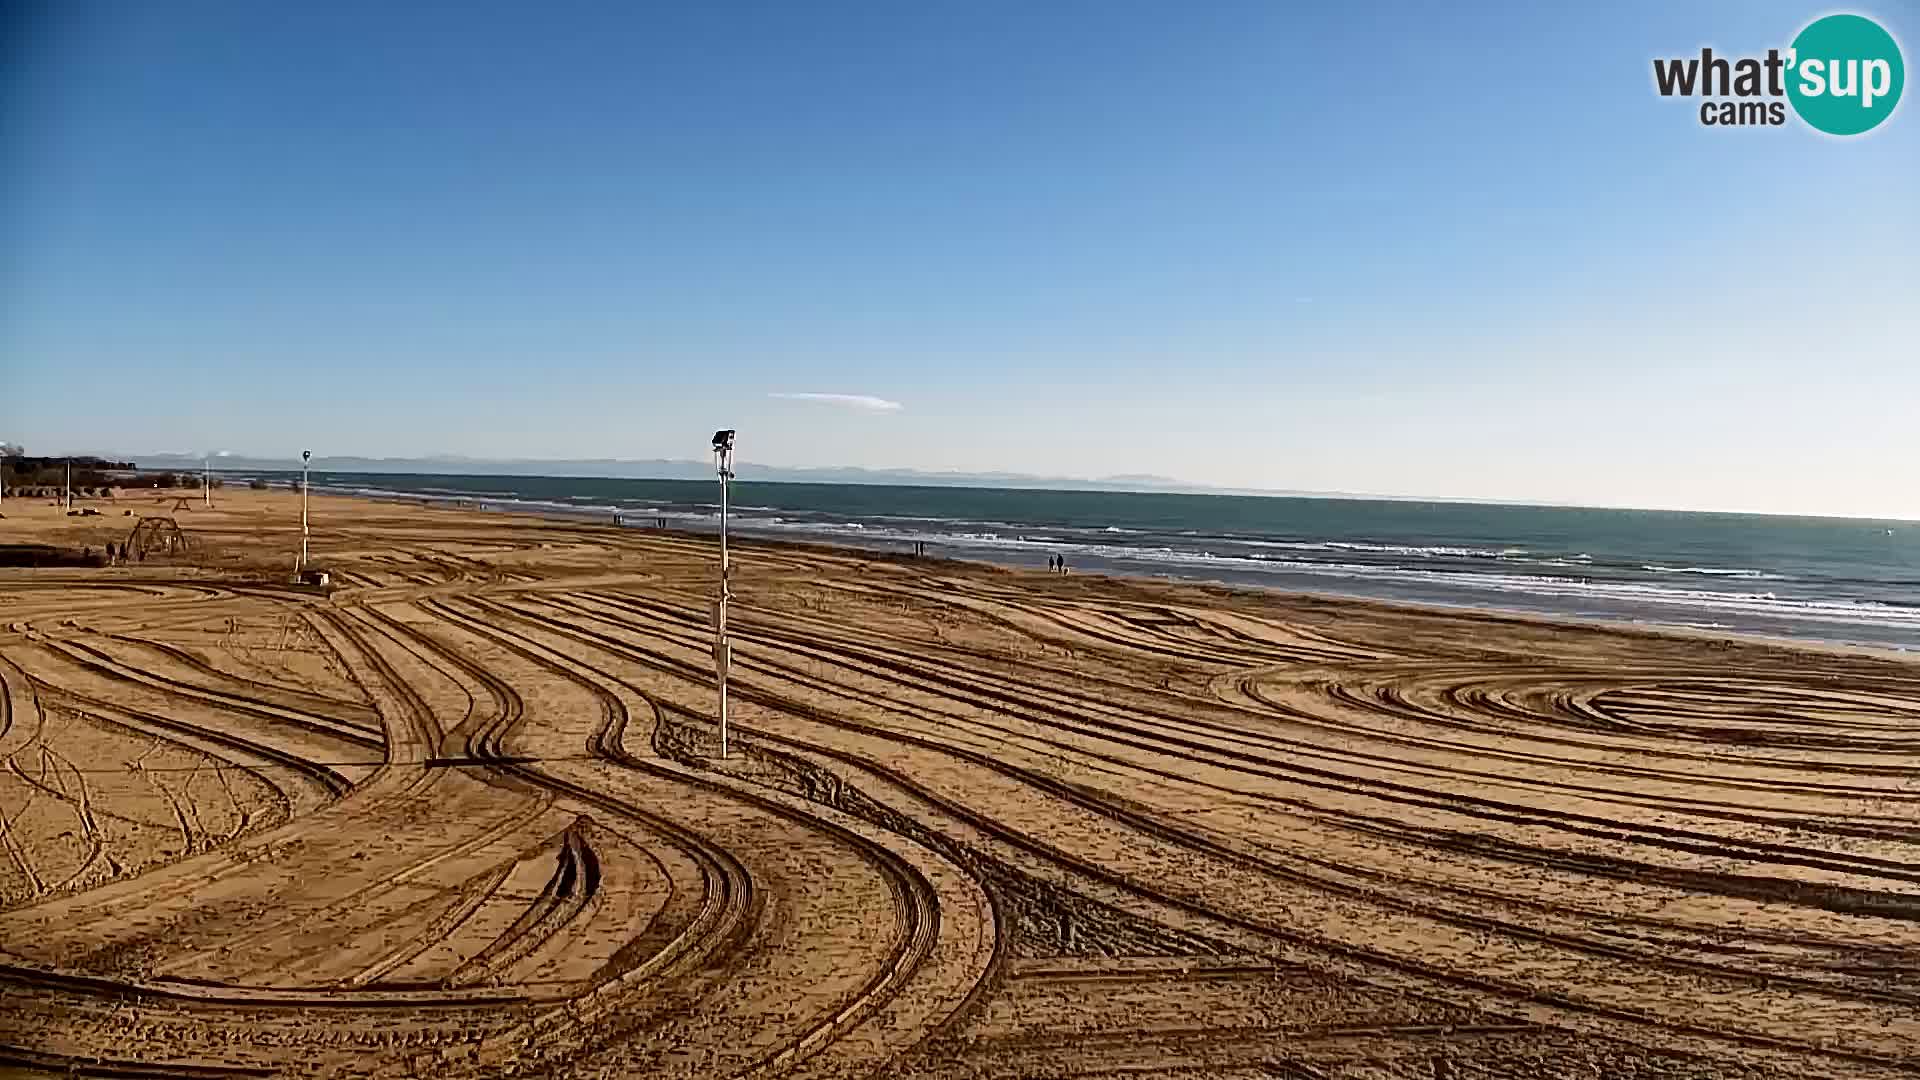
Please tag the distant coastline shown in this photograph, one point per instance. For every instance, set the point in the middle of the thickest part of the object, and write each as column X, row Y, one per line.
column 684, row 469
column 687, row 469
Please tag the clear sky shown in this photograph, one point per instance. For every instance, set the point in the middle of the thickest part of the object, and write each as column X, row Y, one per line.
column 1453, row 250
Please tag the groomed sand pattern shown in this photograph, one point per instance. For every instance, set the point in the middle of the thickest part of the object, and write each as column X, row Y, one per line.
column 465, row 817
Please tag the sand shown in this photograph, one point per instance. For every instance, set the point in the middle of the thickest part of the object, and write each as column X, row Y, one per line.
column 464, row 816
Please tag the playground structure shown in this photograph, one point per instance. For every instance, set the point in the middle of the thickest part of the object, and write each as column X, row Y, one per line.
column 156, row 537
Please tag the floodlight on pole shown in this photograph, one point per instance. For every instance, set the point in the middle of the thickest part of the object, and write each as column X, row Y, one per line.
column 722, row 652
column 305, row 457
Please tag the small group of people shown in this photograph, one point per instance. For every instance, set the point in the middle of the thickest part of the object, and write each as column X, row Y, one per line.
column 114, row 553
column 1056, row 564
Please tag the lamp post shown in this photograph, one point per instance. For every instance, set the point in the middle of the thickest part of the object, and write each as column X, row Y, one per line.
column 722, row 652
column 305, row 457
column 206, row 479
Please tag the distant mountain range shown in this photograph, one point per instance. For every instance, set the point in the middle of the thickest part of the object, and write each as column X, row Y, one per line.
column 667, row 469
column 685, row 469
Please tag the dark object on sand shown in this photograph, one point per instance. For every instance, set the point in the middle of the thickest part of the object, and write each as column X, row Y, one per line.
column 47, row 555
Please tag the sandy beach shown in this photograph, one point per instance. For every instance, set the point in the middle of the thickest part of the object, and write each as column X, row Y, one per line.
column 464, row 815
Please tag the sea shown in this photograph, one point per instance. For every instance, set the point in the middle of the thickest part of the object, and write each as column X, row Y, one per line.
column 1837, row 580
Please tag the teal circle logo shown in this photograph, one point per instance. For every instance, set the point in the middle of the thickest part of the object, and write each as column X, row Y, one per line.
column 1845, row 74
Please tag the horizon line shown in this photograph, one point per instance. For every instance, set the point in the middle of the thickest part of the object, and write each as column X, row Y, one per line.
column 1119, row 483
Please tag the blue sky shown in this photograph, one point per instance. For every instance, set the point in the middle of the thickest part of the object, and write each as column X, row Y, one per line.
column 1396, row 248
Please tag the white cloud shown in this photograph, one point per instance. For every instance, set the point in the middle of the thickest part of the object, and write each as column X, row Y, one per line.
column 862, row 402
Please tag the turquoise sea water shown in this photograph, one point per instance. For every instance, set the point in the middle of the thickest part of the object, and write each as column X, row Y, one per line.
column 1824, row 578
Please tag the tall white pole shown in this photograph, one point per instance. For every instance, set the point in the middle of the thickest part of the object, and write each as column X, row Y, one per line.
column 722, row 651
column 69, row 483
column 206, row 480
column 305, row 457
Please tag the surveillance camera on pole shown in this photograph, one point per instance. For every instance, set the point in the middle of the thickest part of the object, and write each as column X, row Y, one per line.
column 306, row 456
column 722, row 652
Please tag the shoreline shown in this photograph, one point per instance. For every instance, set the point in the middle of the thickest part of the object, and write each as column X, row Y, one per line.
column 1489, row 613
column 1538, row 569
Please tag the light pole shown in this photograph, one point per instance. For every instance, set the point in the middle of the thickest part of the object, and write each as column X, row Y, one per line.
column 722, row 652
column 305, row 457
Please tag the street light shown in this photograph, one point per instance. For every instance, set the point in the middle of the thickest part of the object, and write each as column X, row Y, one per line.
column 305, row 457
column 722, row 652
